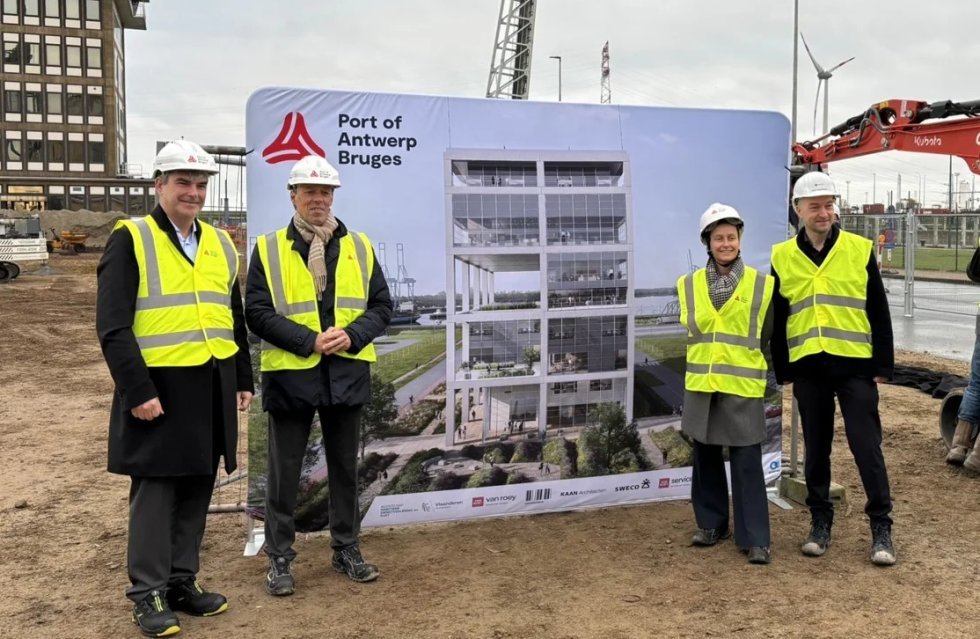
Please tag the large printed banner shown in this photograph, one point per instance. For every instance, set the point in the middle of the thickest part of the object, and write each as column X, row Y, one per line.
column 535, row 362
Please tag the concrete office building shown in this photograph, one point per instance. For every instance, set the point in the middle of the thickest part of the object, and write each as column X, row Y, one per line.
column 557, row 224
column 63, row 106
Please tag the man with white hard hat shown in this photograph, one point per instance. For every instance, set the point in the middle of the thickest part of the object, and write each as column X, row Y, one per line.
column 318, row 298
column 833, row 337
column 170, row 321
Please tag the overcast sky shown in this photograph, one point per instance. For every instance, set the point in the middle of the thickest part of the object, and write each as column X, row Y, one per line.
column 190, row 73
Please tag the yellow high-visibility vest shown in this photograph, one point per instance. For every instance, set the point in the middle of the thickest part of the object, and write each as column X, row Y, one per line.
column 294, row 294
column 724, row 346
column 183, row 311
column 827, row 303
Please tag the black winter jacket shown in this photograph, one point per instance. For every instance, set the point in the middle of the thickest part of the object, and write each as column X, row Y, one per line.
column 200, row 419
column 337, row 380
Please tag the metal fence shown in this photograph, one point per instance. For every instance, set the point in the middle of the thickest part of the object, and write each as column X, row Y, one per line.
column 925, row 266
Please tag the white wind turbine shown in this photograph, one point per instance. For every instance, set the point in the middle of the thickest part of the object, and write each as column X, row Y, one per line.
column 823, row 77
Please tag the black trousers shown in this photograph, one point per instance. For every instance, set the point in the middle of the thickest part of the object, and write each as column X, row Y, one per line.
column 858, row 398
column 709, row 492
column 288, row 437
column 167, row 516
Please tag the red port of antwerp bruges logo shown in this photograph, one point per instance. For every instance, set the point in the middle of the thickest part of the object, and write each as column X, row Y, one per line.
column 293, row 143
column 477, row 502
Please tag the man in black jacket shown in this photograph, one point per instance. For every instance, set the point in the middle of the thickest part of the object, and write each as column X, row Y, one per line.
column 169, row 319
column 832, row 336
column 317, row 297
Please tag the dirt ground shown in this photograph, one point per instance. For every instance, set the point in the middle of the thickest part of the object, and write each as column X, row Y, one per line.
column 612, row 573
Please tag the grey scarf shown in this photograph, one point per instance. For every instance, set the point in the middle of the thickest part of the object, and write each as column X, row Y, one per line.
column 721, row 287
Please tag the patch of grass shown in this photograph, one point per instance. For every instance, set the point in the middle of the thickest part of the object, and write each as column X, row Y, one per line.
column 430, row 344
column 670, row 351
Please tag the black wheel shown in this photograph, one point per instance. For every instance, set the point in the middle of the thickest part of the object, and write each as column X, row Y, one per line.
column 4, row 273
column 13, row 270
column 80, row 248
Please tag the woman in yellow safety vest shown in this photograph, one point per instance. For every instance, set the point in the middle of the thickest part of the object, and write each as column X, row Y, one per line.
column 726, row 308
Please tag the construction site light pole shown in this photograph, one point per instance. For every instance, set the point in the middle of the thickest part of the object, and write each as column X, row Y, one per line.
column 558, row 57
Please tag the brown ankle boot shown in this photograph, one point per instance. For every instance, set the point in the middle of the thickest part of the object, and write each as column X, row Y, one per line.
column 961, row 443
column 972, row 462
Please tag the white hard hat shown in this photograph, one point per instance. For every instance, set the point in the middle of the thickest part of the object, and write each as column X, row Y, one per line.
column 183, row 155
column 717, row 213
column 313, row 170
column 814, row 184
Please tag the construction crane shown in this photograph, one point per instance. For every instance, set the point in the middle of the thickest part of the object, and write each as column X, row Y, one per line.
column 383, row 259
column 403, row 277
column 510, row 66
column 605, row 90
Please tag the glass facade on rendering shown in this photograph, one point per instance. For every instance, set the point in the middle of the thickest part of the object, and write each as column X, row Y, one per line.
column 556, row 314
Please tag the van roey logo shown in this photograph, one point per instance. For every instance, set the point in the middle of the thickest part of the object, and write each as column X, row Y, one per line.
column 477, row 502
column 293, row 143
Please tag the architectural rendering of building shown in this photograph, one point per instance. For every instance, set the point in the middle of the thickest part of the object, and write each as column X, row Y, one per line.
column 540, row 250
column 63, row 107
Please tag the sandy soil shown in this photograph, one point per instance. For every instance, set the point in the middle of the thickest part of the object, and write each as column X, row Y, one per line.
column 614, row 573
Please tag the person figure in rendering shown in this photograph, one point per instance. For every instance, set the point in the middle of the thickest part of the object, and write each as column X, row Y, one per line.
column 833, row 337
column 169, row 319
column 726, row 308
column 317, row 298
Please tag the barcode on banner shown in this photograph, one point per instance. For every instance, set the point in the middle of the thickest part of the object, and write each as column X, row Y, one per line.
column 539, row 494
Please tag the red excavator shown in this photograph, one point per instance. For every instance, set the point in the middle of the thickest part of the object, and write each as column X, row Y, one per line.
column 901, row 125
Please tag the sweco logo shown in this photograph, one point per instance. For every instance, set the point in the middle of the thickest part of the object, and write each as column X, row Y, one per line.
column 293, row 143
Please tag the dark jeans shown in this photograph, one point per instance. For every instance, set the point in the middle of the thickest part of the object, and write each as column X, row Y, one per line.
column 709, row 492
column 858, row 398
column 167, row 516
column 288, row 437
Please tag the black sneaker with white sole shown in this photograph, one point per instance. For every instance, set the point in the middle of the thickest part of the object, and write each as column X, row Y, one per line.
column 882, row 548
column 816, row 543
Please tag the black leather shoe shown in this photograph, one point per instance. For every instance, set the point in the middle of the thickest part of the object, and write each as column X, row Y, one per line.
column 188, row 596
column 759, row 555
column 154, row 617
column 349, row 560
column 709, row 536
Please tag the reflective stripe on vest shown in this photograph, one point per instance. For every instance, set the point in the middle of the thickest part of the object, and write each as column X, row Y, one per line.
column 827, row 304
column 294, row 295
column 724, row 346
column 183, row 311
